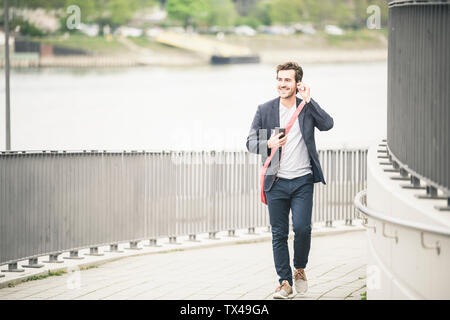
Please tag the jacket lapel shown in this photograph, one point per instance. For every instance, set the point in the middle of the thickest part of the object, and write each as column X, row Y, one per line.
column 276, row 112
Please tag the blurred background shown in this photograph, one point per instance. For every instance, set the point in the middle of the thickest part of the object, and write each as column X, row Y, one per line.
column 186, row 74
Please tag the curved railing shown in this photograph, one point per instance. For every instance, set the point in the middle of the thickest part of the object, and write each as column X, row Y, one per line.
column 360, row 204
column 415, row 179
column 418, row 113
column 53, row 202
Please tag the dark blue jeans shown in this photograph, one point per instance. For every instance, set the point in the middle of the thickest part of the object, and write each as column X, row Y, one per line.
column 287, row 194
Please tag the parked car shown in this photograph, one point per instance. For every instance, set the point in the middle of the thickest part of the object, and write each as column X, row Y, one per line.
column 305, row 29
column 277, row 30
column 245, row 31
column 91, row 30
column 129, row 32
column 153, row 32
column 333, row 30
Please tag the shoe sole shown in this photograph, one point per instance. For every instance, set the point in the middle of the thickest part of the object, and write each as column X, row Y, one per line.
column 275, row 296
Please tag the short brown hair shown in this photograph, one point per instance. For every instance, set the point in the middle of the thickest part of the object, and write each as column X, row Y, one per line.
column 292, row 66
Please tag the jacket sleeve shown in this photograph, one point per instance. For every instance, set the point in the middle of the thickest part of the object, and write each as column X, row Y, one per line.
column 322, row 120
column 257, row 138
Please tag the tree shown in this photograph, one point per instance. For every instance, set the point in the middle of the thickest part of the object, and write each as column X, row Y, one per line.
column 319, row 12
column 221, row 13
column 46, row 4
column 113, row 12
column 286, row 11
column 189, row 12
column 261, row 13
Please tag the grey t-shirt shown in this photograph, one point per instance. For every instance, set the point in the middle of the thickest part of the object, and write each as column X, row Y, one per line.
column 295, row 161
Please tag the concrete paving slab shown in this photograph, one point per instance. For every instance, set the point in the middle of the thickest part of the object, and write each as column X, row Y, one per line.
column 237, row 270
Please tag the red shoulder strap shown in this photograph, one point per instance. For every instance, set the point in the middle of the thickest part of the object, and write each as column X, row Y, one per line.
column 274, row 150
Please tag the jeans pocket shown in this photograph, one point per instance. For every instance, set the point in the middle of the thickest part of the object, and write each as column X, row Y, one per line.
column 274, row 184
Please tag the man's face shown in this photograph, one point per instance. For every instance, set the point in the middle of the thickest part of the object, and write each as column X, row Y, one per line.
column 286, row 85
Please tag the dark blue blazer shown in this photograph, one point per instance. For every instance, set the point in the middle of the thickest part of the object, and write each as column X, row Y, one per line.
column 267, row 117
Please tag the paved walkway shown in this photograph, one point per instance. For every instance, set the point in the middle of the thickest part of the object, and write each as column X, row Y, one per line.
column 336, row 270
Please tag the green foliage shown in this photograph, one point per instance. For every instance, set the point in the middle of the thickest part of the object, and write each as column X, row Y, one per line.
column 46, row 4
column 26, row 28
column 221, row 13
column 347, row 14
column 286, row 11
column 248, row 20
column 351, row 14
column 39, row 277
column 260, row 13
column 88, row 267
column 363, row 295
column 189, row 12
column 121, row 11
column 112, row 12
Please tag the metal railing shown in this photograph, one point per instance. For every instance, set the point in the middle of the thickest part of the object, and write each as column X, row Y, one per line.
column 407, row 174
column 418, row 116
column 59, row 201
column 361, row 205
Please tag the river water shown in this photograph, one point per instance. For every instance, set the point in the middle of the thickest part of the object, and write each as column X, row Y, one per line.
column 198, row 108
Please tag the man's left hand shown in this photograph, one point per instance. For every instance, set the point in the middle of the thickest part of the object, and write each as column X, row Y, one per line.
column 304, row 91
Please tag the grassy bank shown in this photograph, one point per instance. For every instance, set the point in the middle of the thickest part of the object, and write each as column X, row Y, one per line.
column 354, row 46
column 360, row 39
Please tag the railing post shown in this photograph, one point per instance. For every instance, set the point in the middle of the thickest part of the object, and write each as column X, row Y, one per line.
column 232, row 234
column 153, row 243
column 12, row 267
column 431, row 194
column 414, row 183
column 74, row 255
column 173, row 240
column 114, row 247
column 33, row 263
column 445, row 208
column 212, row 236
column 53, row 258
column 134, row 245
column 93, row 251
column 193, row 238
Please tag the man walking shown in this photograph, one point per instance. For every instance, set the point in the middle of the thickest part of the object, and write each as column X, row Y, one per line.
column 290, row 177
